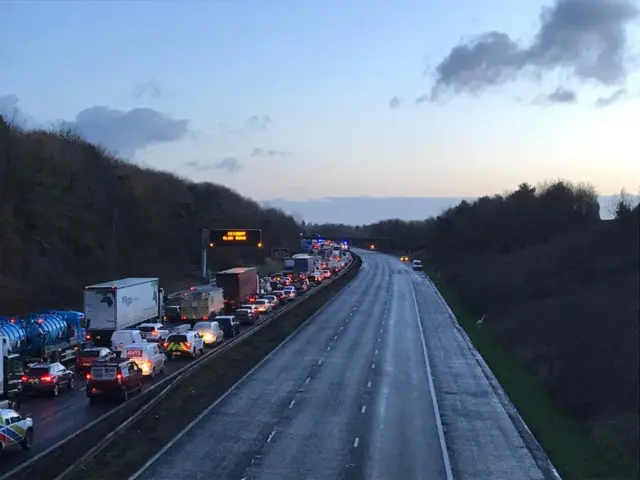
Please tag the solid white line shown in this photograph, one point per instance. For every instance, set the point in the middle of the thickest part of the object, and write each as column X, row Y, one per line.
column 432, row 390
column 356, row 442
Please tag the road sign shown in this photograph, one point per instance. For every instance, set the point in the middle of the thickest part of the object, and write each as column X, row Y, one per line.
column 229, row 237
column 279, row 252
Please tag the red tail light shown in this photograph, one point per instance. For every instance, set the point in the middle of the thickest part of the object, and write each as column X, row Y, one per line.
column 88, row 376
column 89, row 336
column 188, row 345
column 165, row 344
column 46, row 378
column 119, row 376
column 25, row 379
column 184, row 318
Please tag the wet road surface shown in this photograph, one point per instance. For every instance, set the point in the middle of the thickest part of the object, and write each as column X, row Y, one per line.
column 351, row 396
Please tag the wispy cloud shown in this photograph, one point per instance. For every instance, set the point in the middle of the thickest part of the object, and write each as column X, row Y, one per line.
column 615, row 97
column 256, row 123
column 231, row 164
column 562, row 96
column 263, row 152
column 149, row 89
column 394, row 102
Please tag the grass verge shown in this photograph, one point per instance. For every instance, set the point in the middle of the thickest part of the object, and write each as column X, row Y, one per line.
column 574, row 454
column 153, row 430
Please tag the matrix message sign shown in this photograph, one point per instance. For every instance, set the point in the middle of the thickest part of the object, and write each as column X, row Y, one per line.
column 229, row 237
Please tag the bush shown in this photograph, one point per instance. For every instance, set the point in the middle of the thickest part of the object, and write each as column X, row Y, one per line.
column 71, row 214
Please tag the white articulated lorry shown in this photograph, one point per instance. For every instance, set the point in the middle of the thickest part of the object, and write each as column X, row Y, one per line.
column 121, row 304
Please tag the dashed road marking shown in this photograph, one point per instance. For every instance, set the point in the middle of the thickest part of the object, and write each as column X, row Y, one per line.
column 373, row 365
column 320, row 362
column 307, row 380
column 328, row 348
column 363, row 409
column 336, row 337
column 271, row 436
column 376, row 352
column 292, row 403
column 356, row 442
column 369, row 385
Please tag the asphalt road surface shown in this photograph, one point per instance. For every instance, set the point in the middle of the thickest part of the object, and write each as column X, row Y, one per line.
column 351, row 396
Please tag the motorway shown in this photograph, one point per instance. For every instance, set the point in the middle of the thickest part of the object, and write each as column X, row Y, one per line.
column 57, row 418
column 351, row 396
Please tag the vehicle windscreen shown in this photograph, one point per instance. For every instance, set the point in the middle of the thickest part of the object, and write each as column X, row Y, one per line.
column 261, row 302
column 177, row 339
column 242, row 313
column 224, row 322
column 146, row 329
column 201, row 326
column 89, row 353
column 38, row 371
column 104, row 373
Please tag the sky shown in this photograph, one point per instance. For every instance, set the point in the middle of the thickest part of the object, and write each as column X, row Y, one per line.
column 295, row 102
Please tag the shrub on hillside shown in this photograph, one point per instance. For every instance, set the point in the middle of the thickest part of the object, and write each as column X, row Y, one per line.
column 71, row 215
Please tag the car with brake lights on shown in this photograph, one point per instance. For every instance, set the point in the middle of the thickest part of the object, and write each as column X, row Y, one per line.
column 152, row 332
column 251, row 306
column 172, row 313
column 114, row 378
column 47, row 378
column 84, row 358
column 290, row 293
column 273, row 300
column 210, row 332
column 264, row 306
column 15, row 430
column 280, row 295
column 245, row 316
column 229, row 325
column 326, row 273
column 189, row 343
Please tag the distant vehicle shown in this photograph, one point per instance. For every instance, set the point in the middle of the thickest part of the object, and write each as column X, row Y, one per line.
column 172, row 314
column 404, row 258
column 372, row 247
column 198, row 303
column 417, row 265
column 239, row 285
column 245, row 316
column 188, row 343
column 86, row 357
column 147, row 356
column 229, row 325
column 153, row 332
column 210, row 332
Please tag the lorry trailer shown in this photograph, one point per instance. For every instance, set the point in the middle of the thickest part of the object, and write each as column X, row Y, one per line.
column 121, row 304
column 239, row 284
column 198, row 303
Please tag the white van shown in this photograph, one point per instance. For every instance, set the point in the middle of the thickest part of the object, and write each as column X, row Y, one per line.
column 210, row 332
column 417, row 265
column 147, row 356
column 120, row 338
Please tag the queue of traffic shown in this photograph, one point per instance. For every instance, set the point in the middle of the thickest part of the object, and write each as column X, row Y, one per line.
column 186, row 324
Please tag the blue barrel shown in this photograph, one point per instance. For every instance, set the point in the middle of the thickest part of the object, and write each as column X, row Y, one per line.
column 13, row 329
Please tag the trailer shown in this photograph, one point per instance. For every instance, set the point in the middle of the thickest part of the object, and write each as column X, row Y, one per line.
column 304, row 264
column 239, row 285
column 198, row 303
column 11, row 371
column 121, row 304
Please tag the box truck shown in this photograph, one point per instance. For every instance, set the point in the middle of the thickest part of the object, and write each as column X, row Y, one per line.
column 200, row 302
column 240, row 285
column 121, row 304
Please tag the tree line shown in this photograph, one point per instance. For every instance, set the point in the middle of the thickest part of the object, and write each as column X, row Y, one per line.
column 72, row 214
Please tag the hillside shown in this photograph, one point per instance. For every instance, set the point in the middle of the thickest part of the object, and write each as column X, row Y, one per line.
column 559, row 288
column 71, row 215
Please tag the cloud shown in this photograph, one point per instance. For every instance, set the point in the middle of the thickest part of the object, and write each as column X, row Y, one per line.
column 616, row 96
column 261, row 152
column 149, row 89
column 394, row 103
column 231, row 164
column 127, row 132
column 562, row 95
column 584, row 37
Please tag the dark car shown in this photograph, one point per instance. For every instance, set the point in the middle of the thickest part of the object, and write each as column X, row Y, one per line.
column 48, row 378
column 245, row 317
column 229, row 325
column 86, row 357
column 111, row 378
column 172, row 314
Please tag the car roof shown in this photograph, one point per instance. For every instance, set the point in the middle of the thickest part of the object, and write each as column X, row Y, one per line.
column 41, row 365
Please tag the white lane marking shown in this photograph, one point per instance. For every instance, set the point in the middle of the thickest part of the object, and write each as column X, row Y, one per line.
column 307, row 380
column 378, row 338
column 432, row 390
column 369, row 385
column 356, row 442
column 271, row 436
column 336, row 337
column 373, row 365
column 83, row 389
column 363, row 409
column 320, row 362
column 328, row 348
column 376, row 352
column 292, row 403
